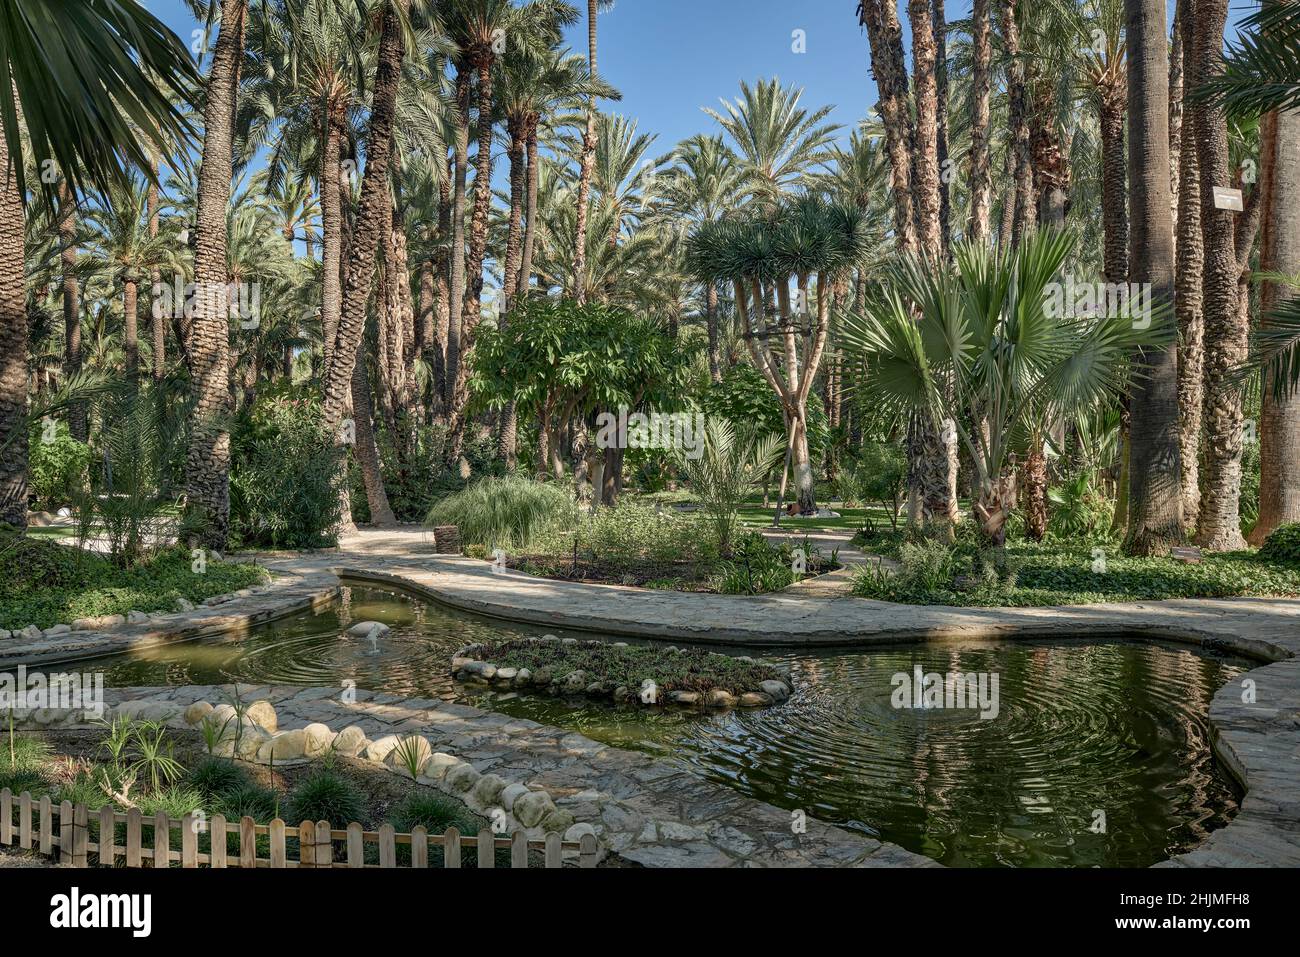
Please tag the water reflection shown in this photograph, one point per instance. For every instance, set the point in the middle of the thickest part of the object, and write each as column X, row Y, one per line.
column 1084, row 729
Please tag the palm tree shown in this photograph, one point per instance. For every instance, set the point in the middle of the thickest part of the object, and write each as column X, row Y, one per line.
column 77, row 424
column 981, row 183
column 588, row 156
column 703, row 184
column 207, row 465
column 74, row 116
column 978, row 344
column 725, row 470
column 1155, row 520
column 777, row 141
column 884, row 33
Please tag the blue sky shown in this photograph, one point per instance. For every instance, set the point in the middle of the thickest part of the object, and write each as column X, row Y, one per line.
column 670, row 58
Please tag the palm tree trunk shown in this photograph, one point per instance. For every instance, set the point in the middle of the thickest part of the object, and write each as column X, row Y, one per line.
column 457, row 301
column 530, row 214
column 207, row 464
column 1155, row 500
column 366, row 233
column 13, row 347
column 1023, row 208
column 1114, row 188
column 331, row 214
column 157, row 322
column 1219, row 527
column 77, row 424
column 939, row 25
column 1177, row 104
column 586, row 166
column 456, row 417
column 981, row 184
column 130, row 326
column 925, row 183
column 711, row 319
column 366, row 449
column 884, row 34
column 1279, row 432
column 1188, row 292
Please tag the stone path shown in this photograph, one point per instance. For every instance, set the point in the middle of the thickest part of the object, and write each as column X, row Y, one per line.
column 1258, row 740
column 646, row 810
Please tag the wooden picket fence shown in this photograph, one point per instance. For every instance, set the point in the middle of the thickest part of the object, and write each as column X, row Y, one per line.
column 42, row 826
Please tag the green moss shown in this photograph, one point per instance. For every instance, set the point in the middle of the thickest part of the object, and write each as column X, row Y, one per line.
column 44, row 583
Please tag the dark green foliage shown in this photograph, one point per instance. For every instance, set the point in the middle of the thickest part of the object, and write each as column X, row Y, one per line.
column 216, row 777
column 44, row 584
column 433, row 812
column 509, row 511
column 745, row 399
column 757, row 566
column 57, row 469
column 283, row 475
column 248, row 800
column 1282, row 545
column 325, row 796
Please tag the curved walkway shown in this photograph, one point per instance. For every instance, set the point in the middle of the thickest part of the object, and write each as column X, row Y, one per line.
column 1256, row 726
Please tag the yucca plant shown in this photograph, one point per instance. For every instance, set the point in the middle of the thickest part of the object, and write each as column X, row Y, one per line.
column 153, row 752
column 724, row 472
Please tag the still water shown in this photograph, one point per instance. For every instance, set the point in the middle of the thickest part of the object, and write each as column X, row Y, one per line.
column 1099, row 754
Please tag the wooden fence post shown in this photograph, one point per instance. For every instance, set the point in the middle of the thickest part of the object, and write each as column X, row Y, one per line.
column 47, row 826
column 106, row 847
column 419, row 846
column 25, row 821
column 189, row 841
column 217, row 832
column 134, row 837
column 65, row 831
column 247, row 842
column 451, row 847
column 356, row 846
column 587, row 851
column 162, row 837
column 519, row 849
column 554, row 852
column 307, row 844
column 80, row 835
column 387, row 846
column 278, row 859
column 324, row 845
column 487, row 848
column 6, row 816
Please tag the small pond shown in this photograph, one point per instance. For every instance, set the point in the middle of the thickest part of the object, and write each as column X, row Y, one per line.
column 1084, row 729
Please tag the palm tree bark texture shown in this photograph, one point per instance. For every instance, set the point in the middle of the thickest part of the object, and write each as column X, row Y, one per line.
column 1155, row 501
column 207, row 464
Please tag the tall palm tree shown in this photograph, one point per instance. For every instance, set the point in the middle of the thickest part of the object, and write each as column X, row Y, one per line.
column 1155, row 520
column 703, row 184
column 1188, row 284
column 70, row 74
column 981, row 183
column 884, row 33
column 587, row 157
column 77, row 423
column 778, row 141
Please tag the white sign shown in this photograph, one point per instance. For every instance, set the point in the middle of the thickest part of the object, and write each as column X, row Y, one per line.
column 1225, row 198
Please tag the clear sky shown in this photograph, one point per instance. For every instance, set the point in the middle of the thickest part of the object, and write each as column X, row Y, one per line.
column 670, row 58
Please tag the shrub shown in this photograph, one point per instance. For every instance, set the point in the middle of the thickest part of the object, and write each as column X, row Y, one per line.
column 756, row 566
column 58, row 465
column 175, row 801
column 215, row 777
column 878, row 474
column 325, row 796
column 274, row 504
column 249, row 800
column 1282, row 544
column 1079, row 510
column 506, row 512
column 434, row 813
column 631, row 533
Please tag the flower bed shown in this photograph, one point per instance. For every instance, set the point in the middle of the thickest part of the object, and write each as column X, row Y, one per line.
column 636, row 674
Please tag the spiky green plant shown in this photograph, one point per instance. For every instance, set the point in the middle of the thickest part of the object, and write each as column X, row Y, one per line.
column 723, row 474
column 504, row 512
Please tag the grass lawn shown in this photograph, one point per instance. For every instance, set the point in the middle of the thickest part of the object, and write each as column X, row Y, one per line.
column 1062, row 573
column 44, row 583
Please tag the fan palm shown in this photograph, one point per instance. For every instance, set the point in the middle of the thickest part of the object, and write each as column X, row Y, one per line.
column 980, row 342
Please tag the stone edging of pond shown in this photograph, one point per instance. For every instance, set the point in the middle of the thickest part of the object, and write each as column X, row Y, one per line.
column 467, row 666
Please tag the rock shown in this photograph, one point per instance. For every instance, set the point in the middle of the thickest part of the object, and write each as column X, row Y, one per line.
column 568, row 641
column 459, row 662
column 575, row 681
column 510, row 794
column 363, row 629
column 55, row 630
column 410, row 748
column 462, row 777
column 262, row 714
column 379, row 749
column 754, row 699
column 507, row 674
column 31, row 633
column 529, row 809
column 251, row 741
column 5, row 633
column 745, row 658
column 134, row 617
column 85, row 624
column 684, row 697
column 777, row 690
column 439, row 764
column 577, row 832
column 108, row 622
column 620, row 644
column 184, row 604
column 488, row 788
column 717, row 698
column 523, row 677
column 197, row 712
column 317, row 739
column 595, row 688
column 285, row 746
column 557, row 821
column 350, row 741
column 483, row 670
